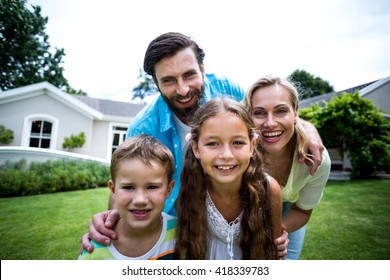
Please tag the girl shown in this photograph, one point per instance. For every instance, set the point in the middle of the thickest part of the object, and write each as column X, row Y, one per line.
column 228, row 208
column 273, row 104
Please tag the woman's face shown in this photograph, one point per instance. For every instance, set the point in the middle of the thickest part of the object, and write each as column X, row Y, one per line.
column 274, row 117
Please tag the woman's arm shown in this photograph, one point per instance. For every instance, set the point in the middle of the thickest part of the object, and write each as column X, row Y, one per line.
column 296, row 218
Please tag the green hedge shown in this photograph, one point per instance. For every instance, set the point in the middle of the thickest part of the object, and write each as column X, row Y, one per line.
column 19, row 178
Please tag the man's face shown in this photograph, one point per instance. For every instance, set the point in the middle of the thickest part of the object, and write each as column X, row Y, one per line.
column 180, row 81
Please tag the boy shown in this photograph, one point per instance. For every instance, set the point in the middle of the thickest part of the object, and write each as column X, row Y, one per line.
column 141, row 180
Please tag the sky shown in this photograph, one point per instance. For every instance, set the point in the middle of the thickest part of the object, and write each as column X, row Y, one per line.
column 345, row 42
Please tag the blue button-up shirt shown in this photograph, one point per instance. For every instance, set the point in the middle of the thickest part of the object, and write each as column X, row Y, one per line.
column 156, row 120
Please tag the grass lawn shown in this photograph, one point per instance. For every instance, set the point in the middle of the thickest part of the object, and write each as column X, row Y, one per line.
column 49, row 226
column 352, row 222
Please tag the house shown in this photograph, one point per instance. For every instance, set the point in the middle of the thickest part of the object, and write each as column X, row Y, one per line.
column 41, row 116
column 378, row 92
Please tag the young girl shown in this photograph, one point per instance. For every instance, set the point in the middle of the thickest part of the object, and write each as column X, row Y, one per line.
column 228, row 208
column 273, row 104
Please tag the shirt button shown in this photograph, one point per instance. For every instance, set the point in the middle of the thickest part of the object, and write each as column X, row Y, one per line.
column 175, row 145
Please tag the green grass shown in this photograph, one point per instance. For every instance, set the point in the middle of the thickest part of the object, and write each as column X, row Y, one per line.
column 352, row 222
column 49, row 226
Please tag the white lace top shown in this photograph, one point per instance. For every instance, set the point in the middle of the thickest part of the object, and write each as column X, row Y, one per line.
column 224, row 237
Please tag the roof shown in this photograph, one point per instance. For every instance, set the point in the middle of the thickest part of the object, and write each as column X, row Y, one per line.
column 320, row 99
column 112, row 108
column 43, row 88
column 92, row 107
column 374, row 86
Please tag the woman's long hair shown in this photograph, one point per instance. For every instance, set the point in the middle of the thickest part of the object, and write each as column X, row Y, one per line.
column 256, row 224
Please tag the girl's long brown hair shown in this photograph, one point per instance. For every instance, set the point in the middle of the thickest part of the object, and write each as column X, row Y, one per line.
column 256, row 224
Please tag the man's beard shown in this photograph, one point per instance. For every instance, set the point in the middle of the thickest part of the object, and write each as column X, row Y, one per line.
column 186, row 114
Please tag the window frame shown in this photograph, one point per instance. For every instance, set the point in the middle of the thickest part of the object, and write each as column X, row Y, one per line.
column 113, row 131
column 27, row 125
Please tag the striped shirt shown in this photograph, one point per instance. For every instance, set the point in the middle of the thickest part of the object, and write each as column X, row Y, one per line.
column 162, row 250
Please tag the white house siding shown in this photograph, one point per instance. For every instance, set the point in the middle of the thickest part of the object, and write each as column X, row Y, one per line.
column 380, row 97
column 100, row 139
column 12, row 116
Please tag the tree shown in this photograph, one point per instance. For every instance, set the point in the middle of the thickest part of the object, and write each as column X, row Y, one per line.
column 310, row 85
column 146, row 86
column 6, row 135
column 25, row 53
column 70, row 90
column 353, row 124
column 74, row 141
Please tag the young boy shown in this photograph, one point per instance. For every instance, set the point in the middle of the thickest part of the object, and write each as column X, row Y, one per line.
column 141, row 180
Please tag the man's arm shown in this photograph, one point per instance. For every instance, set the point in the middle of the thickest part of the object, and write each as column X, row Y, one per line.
column 316, row 147
column 100, row 229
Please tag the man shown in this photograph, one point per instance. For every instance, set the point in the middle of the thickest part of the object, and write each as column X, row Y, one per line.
column 175, row 62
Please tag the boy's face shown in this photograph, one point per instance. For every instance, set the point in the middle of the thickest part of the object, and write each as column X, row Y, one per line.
column 140, row 191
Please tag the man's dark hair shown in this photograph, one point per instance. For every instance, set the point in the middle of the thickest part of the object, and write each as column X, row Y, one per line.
column 167, row 45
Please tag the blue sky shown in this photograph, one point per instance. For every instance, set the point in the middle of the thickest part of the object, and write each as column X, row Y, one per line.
column 345, row 42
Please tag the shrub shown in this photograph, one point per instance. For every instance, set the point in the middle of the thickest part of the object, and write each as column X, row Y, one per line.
column 6, row 135
column 354, row 125
column 74, row 141
column 19, row 179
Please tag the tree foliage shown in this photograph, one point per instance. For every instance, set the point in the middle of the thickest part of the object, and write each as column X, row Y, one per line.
column 26, row 56
column 71, row 90
column 6, row 135
column 310, row 85
column 145, row 87
column 74, row 141
column 352, row 123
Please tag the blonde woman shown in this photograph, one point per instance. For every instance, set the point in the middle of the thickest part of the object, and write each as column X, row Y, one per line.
column 273, row 105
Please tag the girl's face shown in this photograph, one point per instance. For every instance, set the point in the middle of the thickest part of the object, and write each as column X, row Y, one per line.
column 140, row 191
column 224, row 149
column 274, row 117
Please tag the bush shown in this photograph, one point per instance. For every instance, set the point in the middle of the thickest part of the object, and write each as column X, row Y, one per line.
column 6, row 135
column 74, row 141
column 354, row 125
column 19, row 179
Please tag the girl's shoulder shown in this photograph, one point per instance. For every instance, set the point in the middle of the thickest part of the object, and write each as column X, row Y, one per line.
column 274, row 186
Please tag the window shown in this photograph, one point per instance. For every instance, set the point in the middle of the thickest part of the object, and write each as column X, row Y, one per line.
column 40, row 134
column 118, row 136
column 40, row 131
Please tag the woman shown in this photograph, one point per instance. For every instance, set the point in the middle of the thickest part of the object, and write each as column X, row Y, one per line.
column 273, row 105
